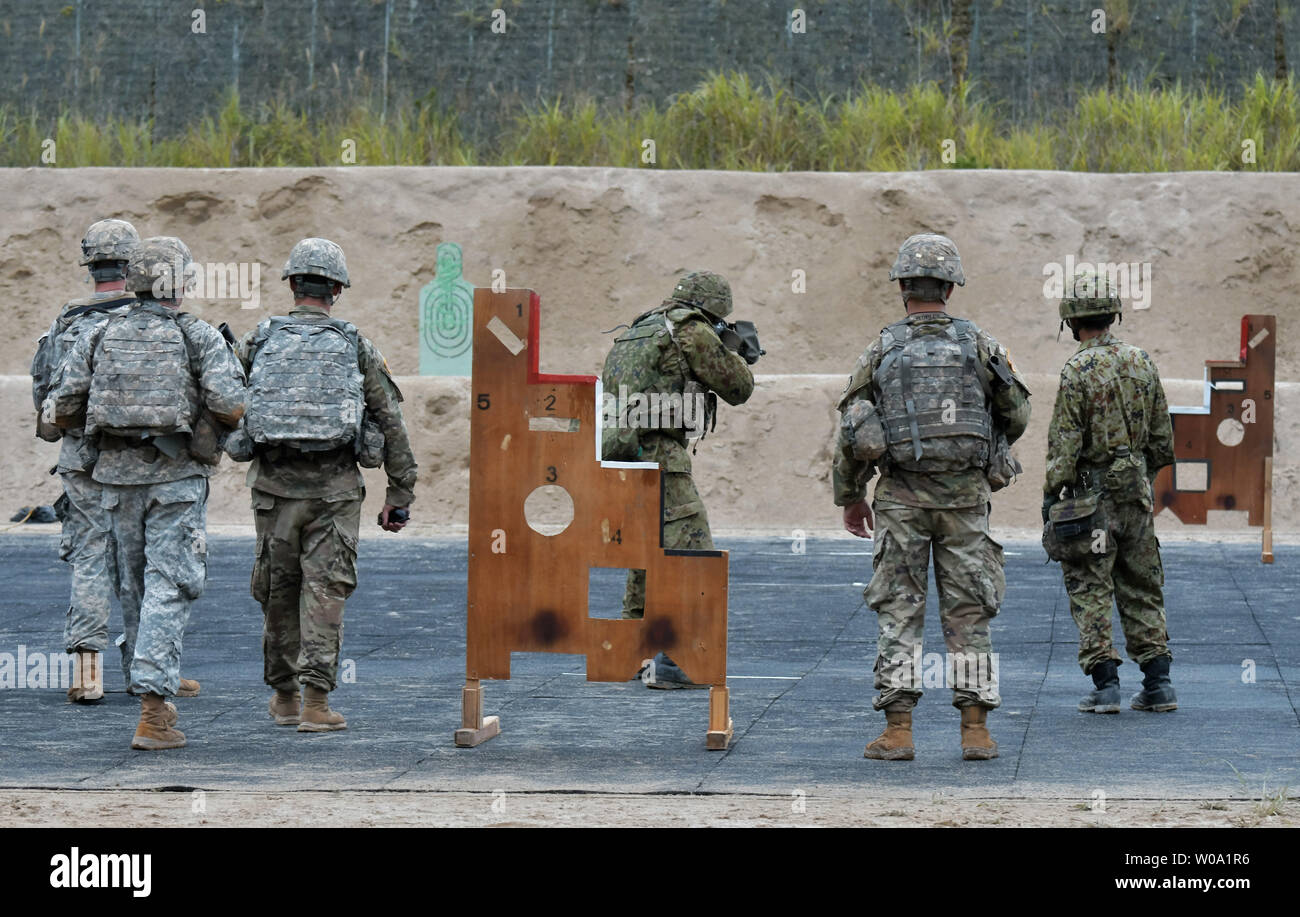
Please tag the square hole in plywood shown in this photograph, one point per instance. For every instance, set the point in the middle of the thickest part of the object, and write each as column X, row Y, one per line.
column 1192, row 476
column 605, row 589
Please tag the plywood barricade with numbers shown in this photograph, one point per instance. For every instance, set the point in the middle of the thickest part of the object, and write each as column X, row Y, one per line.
column 1224, row 448
column 528, row 590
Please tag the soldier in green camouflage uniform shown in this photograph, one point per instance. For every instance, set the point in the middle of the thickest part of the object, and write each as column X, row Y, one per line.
column 1111, row 434
column 87, row 528
column 682, row 348
column 938, row 436
column 307, row 501
column 140, row 380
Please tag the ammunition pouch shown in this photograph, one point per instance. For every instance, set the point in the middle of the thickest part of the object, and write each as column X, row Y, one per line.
column 1003, row 466
column 370, row 445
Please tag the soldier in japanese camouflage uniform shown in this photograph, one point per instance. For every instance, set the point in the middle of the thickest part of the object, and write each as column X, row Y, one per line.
column 87, row 528
column 1110, row 435
column 683, row 349
column 933, row 405
column 321, row 400
column 145, row 382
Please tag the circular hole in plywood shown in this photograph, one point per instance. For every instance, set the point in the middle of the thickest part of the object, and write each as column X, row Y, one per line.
column 1231, row 432
column 548, row 510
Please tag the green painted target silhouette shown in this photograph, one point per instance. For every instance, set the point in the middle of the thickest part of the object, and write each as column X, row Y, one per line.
column 446, row 317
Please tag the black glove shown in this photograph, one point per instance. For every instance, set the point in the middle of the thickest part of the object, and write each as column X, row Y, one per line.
column 1048, row 502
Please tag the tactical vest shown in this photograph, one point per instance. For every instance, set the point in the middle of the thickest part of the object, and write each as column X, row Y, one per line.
column 58, row 343
column 143, row 383
column 933, row 398
column 304, row 390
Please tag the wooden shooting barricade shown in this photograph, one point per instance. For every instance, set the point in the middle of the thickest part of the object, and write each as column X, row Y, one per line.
column 1224, row 448
column 528, row 590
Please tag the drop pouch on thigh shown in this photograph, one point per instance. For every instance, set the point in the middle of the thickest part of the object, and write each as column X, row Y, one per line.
column 1072, row 526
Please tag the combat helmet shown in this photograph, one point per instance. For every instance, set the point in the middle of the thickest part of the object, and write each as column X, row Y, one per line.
column 108, row 240
column 318, row 257
column 928, row 254
column 1089, row 293
column 704, row 290
column 159, row 265
column 106, row 248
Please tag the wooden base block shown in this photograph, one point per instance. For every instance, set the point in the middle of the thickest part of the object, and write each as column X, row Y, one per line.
column 719, row 736
column 719, row 740
column 467, row 737
column 475, row 727
column 1266, row 552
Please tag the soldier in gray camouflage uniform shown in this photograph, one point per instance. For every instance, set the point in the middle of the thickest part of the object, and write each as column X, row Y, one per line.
column 934, row 404
column 683, row 349
column 1110, row 435
column 141, row 380
column 87, row 541
column 321, row 400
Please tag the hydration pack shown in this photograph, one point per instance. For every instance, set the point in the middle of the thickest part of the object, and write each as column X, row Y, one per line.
column 932, row 397
column 54, row 346
column 646, row 378
column 143, row 384
column 304, row 390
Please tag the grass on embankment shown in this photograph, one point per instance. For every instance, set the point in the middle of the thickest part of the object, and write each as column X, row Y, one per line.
column 727, row 122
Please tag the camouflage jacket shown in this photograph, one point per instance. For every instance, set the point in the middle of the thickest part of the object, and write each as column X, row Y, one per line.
column 950, row 490
column 711, row 364
column 221, row 388
column 77, row 452
column 335, row 474
column 1110, row 396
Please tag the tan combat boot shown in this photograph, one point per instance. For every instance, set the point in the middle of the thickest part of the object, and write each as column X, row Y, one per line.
column 284, row 707
column 976, row 743
column 87, row 678
column 157, row 725
column 189, row 688
column 316, row 713
column 895, row 743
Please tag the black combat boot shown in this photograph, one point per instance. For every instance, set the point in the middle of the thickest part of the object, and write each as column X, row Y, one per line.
column 665, row 674
column 1104, row 698
column 1157, row 694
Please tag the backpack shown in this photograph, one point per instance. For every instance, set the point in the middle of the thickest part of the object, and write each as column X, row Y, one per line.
column 55, row 345
column 933, row 398
column 634, row 370
column 305, row 389
column 143, row 383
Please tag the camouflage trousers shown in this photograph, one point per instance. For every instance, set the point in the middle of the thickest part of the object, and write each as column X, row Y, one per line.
column 87, row 544
column 685, row 527
column 1131, row 577
column 968, row 570
column 305, row 570
column 162, row 562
